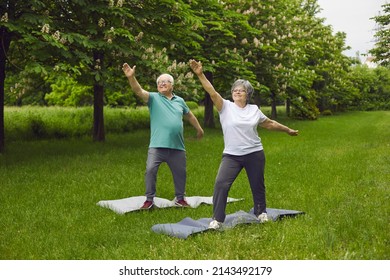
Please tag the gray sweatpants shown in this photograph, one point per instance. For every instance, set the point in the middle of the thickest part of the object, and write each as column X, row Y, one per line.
column 229, row 169
column 176, row 160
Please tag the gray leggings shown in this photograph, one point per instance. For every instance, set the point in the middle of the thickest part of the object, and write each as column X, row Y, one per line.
column 176, row 160
column 229, row 169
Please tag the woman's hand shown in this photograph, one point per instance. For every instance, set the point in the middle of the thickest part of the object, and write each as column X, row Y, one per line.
column 196, row 67
column 292, row 132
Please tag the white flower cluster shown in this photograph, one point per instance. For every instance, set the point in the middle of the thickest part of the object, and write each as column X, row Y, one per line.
column 251, row 10
column 184, row 81
column 139, row 36
column 97, row 65
column 256, row 42
column 56, row 35
column 19, row 89
column 110, row 35
column 45, row 28
column 119, row 4
column 176, row 66
column 101, row 22
column 4, row 18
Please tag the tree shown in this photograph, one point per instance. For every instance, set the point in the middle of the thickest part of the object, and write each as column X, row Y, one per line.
column 279, row 52
column 117, row 30
column 18, row 28
column 372, row 86
column 89, row 39
column 381, row 50
column 226, row 33
column 280, row 46
column 6, row 38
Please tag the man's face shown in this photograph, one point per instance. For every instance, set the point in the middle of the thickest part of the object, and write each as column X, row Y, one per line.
column 164, row 84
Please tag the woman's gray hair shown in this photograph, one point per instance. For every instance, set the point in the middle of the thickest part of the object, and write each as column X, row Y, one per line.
column 170, row 78
column 247, row 86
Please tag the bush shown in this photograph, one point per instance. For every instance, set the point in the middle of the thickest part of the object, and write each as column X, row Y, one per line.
column 126, row 120
column 305, row 108
column 67, row 92
column 192, row 105
column 38, row 128
column 327, row 113
column 26, row 123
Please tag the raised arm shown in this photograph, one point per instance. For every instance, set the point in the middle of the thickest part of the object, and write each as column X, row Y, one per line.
column 135, row 86
column 215, row 96
column 274, row 125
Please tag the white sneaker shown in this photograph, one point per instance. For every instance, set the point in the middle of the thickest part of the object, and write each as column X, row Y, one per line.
column 263, row 217
column 215, row 225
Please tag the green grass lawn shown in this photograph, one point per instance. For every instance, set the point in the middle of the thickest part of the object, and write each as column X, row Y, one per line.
column 336, row 171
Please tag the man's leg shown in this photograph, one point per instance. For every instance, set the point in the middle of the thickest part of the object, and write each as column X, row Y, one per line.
column 155, row 158
column 177, row 162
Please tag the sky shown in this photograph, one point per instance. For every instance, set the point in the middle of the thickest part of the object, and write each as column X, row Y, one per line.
column 353, row 18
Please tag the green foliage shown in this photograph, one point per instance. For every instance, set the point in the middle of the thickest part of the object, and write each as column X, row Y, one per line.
column 60, row 122
column 326, row 113
column 282, row 47
column 304, row 108
column 117, row 92
column 25, row 88
column 120, row 99
column 126, row 120
column 26, row 123
column 192, row 105
column 46, row 123
column 381, row 51
column 373, row 85
column 67, row 92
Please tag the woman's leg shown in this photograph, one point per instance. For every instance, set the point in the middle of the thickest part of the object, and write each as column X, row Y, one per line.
column 254, row 166
column 228, row 171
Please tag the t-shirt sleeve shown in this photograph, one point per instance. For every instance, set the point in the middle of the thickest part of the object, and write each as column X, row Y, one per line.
column 263, row 117
column 224, row 105
column 186, row 109
column 150, row 99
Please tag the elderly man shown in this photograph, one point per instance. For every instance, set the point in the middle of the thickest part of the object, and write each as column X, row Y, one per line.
column 166, row 140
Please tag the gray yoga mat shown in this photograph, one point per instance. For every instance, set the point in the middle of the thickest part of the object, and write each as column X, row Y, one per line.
column 188, row 226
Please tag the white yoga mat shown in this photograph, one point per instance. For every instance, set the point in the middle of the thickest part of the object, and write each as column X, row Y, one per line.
column 125, row 205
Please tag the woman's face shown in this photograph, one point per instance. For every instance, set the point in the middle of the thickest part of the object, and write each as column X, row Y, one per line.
column 239, row 95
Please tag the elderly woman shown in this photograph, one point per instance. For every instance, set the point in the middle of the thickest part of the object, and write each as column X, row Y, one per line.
column 243, row 147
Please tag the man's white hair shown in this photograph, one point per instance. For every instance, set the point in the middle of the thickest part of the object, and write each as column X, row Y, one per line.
column 170, row 78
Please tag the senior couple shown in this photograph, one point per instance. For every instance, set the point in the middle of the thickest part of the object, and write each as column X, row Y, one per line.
column 243, row 147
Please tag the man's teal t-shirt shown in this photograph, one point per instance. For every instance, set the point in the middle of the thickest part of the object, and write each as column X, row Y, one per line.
column 166, row 121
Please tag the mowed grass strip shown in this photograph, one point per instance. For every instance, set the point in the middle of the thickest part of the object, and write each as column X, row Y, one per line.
column 336, row 171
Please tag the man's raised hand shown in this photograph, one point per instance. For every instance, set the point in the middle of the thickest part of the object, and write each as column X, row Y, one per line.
column 129, row 72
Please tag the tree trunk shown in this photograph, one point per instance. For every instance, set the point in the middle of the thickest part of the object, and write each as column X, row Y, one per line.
column 98, row 104
column 288, row 107
column 208, row 105
column 274, row 113
column 98, row 116
column 321, row 104
column 5, row 40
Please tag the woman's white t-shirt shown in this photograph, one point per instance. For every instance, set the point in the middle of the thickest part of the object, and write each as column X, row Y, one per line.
column 239, row 126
